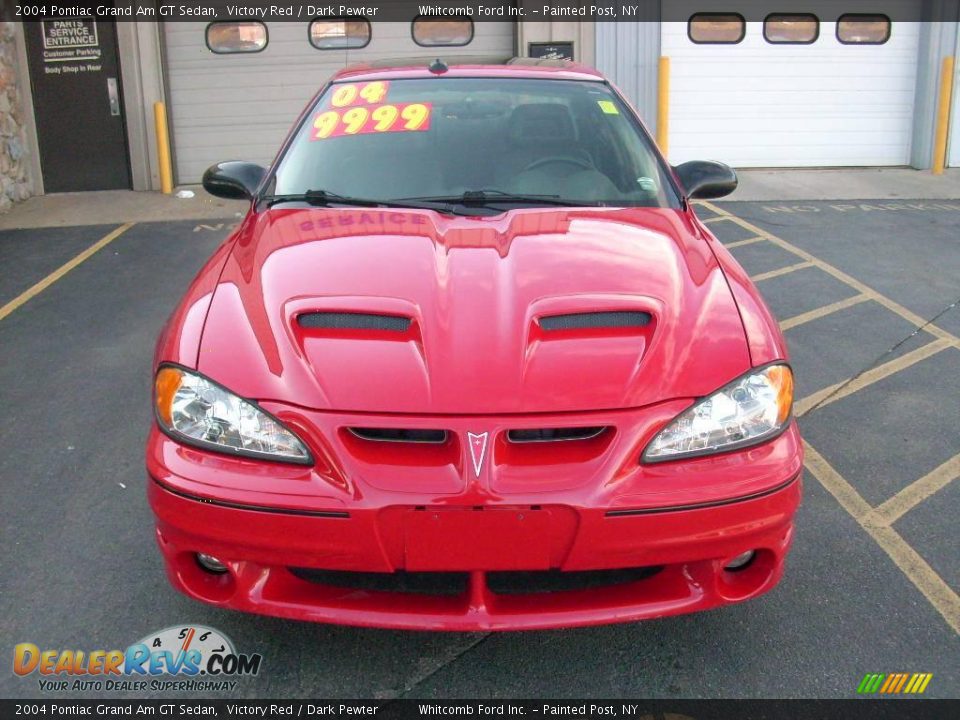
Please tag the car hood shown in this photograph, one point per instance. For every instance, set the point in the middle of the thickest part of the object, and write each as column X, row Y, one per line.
column 417, row 312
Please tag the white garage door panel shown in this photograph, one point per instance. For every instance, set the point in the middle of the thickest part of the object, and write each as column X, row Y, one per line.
column 227, row 107
column 761, row 105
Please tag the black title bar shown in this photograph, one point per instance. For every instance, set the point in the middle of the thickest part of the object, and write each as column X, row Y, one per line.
column 858, row 709
column 478, row 11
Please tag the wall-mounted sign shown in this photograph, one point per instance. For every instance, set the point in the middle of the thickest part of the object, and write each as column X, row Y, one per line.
column 77, row 104
column 551, row 50
column 70, row 40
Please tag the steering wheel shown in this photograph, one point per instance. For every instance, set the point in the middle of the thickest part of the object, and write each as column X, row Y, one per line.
column 579, row 162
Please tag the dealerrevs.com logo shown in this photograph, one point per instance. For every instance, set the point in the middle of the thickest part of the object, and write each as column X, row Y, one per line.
column 180, row 657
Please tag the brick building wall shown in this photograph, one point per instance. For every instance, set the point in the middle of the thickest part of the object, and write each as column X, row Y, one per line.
column 15, row 181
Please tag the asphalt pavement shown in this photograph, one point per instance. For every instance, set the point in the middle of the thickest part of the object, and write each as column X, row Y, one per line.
column 871, row 585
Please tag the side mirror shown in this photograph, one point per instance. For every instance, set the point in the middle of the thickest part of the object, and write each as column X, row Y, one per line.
column 706, row 180
column 233, row 180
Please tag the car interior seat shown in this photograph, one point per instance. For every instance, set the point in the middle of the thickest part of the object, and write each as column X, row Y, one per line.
column 547, row 157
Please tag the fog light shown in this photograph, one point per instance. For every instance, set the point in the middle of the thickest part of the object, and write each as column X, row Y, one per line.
column 211, row 564
column 741, row 561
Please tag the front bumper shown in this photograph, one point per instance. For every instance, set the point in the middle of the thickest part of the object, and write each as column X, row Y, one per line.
column 675, row 545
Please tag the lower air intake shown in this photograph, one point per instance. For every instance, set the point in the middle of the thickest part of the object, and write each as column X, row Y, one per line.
column 530, row 583
column 456, row 583
column 417, row 583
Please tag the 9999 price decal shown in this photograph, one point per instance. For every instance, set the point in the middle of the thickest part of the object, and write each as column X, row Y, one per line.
column 364, row 120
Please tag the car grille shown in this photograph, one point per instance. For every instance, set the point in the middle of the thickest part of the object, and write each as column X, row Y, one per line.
column 541, row 435
column 402, row 435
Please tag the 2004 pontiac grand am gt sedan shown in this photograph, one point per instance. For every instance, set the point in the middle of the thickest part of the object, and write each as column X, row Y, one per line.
column 472, row 362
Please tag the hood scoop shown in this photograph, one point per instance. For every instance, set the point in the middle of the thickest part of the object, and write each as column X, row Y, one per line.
column 411, row 313
column 353, row 321
column 596, row 321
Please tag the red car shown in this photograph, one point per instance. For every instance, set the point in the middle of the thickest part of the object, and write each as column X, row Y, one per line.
column 471, row 362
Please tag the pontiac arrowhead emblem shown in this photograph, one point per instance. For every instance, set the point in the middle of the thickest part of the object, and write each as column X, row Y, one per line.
column 478, row 448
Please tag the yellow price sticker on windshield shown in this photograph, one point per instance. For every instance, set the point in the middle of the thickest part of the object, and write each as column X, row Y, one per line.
column 608, row 107
column 369, row 93
column 361, row 120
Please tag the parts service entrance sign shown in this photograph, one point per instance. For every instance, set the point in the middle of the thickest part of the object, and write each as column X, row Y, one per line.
column 70, row 40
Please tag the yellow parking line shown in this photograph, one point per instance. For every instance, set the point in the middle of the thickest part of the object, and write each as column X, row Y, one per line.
column 62, row 270
column 844, row 492
column 917, row 570
column 896, row 507
column 781, row 271
column 860, row 287
column 822, row 312
column 840, row 390
column 719, row 218
column 741, row 243
column 911, row 564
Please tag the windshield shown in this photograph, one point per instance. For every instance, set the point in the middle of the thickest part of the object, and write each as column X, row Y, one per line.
column 439, row 138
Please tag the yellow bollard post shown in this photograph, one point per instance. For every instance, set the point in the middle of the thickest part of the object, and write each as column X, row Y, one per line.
column 943, row 117
column 663, row 105
column 163, row 147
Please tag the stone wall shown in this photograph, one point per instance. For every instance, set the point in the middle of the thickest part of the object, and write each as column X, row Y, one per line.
column 15, row 182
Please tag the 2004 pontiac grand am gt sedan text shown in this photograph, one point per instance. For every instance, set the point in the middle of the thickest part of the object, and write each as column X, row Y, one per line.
column 472, row 362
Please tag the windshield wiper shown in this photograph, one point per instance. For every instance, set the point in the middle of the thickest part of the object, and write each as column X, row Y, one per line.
column 322, row 198
column 482, row 198
column 441, row 203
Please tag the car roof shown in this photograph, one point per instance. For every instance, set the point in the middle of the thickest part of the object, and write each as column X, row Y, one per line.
column 468, row 66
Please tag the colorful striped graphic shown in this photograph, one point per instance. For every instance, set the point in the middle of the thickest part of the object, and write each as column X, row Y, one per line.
column 894, row 683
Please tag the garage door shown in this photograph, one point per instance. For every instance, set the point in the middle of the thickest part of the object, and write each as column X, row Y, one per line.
column 240, row 102
column 791, row 91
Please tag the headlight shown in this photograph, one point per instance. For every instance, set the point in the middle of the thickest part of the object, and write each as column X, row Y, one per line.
column 748, row 411
column 197, row 411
